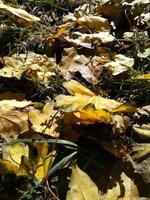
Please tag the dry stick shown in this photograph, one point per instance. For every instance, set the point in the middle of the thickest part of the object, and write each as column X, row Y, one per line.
column 48, row 187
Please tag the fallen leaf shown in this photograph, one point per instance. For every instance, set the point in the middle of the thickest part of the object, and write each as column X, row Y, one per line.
column 13, row 103
column 13, row 122
column 13, row 152
column 93, row 23
column 7, row 167
column 79, row 100
column 44, row 160
column 140, row 77
column 124, row 189
column 120, row 64
column 20, row 13
column 32, row 66
column 81, row 186
column 142, row 131
column 88, row 67
column 91, row 116
column 42, row 121
column 140, row 156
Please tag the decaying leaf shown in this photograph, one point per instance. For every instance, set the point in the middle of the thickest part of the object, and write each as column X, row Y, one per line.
column 42, row 121
column 81, row 186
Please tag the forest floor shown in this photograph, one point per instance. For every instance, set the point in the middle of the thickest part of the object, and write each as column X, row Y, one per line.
column 74, row 100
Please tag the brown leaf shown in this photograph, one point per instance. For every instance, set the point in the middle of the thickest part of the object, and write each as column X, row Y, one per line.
column 13, row 122
column 72, row 62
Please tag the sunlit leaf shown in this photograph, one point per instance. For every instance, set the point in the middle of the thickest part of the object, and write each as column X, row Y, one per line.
column 144, row 76
column 13, row 152
column 91, row 116
column 7, row 167
column 130, row 190
column 143, row 132
column 42, row 120
column 44, row 160
column 81, row 186
column 20, row 13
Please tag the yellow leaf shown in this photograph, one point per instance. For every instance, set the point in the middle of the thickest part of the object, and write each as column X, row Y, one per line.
column 130, row 190
column 74, row 87
column 128, row 108
column 72, row 103
column 41, row 119
column 13, row 152
column 144, row 76
column 58, row 34
column 32, row 66
column 81, row 186
column 7, row 167
column 95, row 23
column 44, row 160
column 83, row 97
column 91, row 116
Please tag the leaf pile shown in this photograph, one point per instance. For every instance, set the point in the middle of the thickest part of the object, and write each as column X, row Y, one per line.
column 74, row 122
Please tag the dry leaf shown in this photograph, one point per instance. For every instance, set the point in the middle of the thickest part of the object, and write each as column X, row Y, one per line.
column 129, row 191
column 91, row 116
column 143, row 132
column 120, row 64
column 81, row 186
column 7, row 167
column 33, row 66
column 79, row 100
column 13, row 103
column 141, row 159
column 17, row 12
column 13, row 122
column 140, row 77
column 14, row 152
column 88, row 67
column 100, row 37
column 42, row 121
column 44, row 160
column 93, row 23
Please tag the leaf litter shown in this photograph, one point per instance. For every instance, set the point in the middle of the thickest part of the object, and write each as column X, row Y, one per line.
column 74, row 118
